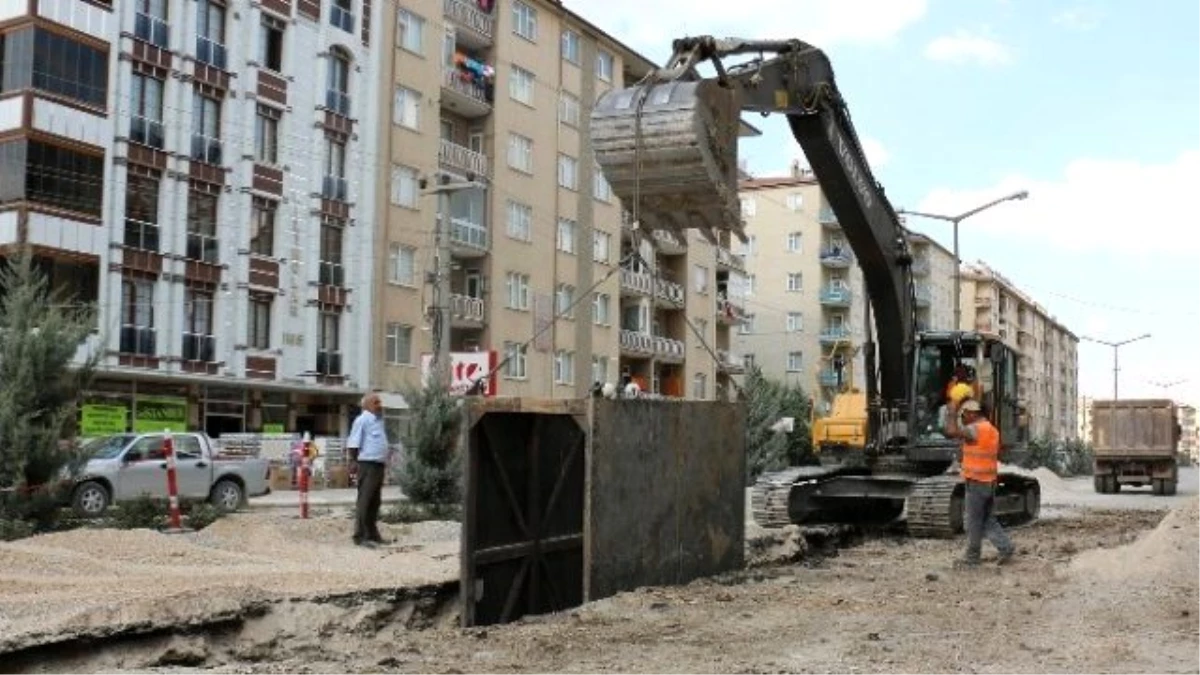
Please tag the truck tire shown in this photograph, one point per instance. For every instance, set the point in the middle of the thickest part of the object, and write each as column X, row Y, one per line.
column 1170, row 486
column 227, row 495
column 90, row 499
column 1099, row 483
column 1114, row 485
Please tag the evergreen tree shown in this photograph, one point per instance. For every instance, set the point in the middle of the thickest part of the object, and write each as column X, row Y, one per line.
column 431, row 470
column 766, row 402
column 41, row 330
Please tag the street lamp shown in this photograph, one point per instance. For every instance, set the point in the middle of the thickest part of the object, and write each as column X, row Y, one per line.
column 1115, row 346
column 1022, row 194
column 1167, row 385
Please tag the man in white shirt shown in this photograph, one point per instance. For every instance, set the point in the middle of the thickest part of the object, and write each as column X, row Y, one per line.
column 369, row 454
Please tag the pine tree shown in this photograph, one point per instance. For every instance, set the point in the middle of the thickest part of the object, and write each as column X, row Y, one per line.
column 41, row 330
column 766, row 402
column 431, row 470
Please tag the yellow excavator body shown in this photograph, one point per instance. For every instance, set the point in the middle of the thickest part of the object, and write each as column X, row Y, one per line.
column 845, row 427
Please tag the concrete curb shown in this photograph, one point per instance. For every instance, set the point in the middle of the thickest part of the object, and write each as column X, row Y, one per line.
column 344, row 498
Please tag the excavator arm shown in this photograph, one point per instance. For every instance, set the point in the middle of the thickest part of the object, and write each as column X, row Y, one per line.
column 668, row 148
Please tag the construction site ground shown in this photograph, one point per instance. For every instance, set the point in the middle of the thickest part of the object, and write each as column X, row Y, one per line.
column 1102, row 583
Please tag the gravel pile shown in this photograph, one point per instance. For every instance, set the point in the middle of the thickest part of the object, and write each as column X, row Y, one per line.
column 97, row 581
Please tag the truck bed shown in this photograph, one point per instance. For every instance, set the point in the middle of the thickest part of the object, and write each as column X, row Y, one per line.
column 1134, row 429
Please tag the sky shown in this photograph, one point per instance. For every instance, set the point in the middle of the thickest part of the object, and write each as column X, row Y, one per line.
column 1092, row 106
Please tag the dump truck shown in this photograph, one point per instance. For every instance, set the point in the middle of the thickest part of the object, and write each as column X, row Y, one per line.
column 1134, row 442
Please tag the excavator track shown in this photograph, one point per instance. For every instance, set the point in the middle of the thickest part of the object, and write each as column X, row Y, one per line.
column 935, row 507
column 770, row 494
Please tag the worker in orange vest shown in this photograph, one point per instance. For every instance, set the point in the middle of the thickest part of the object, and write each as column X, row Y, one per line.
column 980, row 467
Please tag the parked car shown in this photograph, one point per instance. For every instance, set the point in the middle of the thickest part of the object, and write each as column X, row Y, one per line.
column 122, row 467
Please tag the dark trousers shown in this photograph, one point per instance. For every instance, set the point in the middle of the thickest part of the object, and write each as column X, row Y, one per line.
column 980, row 521
column 370, row 495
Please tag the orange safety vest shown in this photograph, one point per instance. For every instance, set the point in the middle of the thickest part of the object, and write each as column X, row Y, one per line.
column 981, row 459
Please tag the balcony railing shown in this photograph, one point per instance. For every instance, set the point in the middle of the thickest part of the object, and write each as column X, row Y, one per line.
column 835, row 257
column 150, row 29
column 920, row 266
column 342, row 18
column 137, row 340
column 668, row 348
column 923, row 295
column 637, row 341
column 335, row 188
column 206, row 149
column 467, row 15
column 834, row 333
column 338, row 102
column 466, row 308
column 146, row 132
column 828, row 377
column 331, row 274
column 462, row 158
column 199, row 347
column 730, row 363
column 466, row 233
column 835, row 295
column 141, row 235
column 730, row 312
column 453, row 81
column 826, row 216
column 640, row 282
column 210, row 52
column 727, row 258
column 203, row 247
column 329, row 363
column 669, row 291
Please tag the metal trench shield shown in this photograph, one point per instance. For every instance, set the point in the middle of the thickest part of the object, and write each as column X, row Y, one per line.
column 522, row 543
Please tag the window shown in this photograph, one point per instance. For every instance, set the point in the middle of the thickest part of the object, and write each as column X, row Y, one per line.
column 568, row 109
column 53, row 176
column 137, row 316
column 341, row 14
column 748, row 361
column 266, row 135
column 337, row 92
column 335, row 186
column 150, row 22
column 206, row 128
column 518, row 290
column 520, row 221
column 514, row 356
column 331, row 272
column 564, row 298
column 795, row 282
column 750, row 245
column 795, row 362
column 270, row 47
column 601, row 243
column 141, row 212
column 749, row 207
column 210, row 33
column 198, row 342
column 568, row 172
column 146, row 111
column 402, row 264
column 202, row 226
column 329, row 338
column 700, row 273
column 793, row 242
column 564, row 367
column 795, row 322
column 795, row 201
column 262, row 227
column 524, row 20
column 398, row 344
column 600, row 309
column 520, row 153
column 406, row 108
column 570, row 46
column 405, row 186
column 520, row 85
column 566, row 235
column 599, row 369
column 258, row 330
column 35, row 57
column 600, row 187
column 702, row 329
column 750, row 284
column 699, row 385
column 604, row 66
column 747, row 326
column 410, row 31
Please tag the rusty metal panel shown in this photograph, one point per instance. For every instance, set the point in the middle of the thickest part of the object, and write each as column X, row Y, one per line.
column 522, row 544
column 666, row 493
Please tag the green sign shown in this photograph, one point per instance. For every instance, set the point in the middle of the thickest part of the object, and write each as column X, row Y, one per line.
column 156, row 413
column 102, row 420
column 272, row 428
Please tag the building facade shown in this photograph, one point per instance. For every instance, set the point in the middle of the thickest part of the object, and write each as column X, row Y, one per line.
column 1048, row 370
column 805, row 295
column 933, row 282
column 490, row 104
column 1189, row 439
column 200, row 171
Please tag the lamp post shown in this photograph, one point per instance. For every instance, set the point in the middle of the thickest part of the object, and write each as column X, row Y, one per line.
column 955, row 220
column 1115, row 346
column 1167, row 385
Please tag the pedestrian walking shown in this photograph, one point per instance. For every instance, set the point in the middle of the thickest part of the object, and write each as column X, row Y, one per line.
column 980, row 467
column 369, row 452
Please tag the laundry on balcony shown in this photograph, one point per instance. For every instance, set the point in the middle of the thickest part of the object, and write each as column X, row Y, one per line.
column 475, row 72
column 486, row 6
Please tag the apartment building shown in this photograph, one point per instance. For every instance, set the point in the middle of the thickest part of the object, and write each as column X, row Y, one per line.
column 1048, row 371
column 1189, row 440
column 1084, row 409
column 198, row 171
column 805, row 294
column 490, row 105
column 933, row 282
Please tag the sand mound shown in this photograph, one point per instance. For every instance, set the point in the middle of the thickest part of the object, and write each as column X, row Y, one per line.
column 1168, row 554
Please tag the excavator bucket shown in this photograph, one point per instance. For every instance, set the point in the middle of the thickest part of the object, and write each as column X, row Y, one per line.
column 673, row 154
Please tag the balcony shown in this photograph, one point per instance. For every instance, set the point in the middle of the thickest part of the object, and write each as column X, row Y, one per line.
column 636, row 342
column 335, row 188
column 637, row 282
column 338, row 102
column 983, row 302
column 466, row 311
column 833, row 334
column 836, row 257
column 923, row 296
column 464, row 95
column 146, row 131
column 462, row 159
column 828, row 377
column 669, row 243
column 730, row 313
column 137, row 340
column 668, row 349
column 210, row 52
column 329, row 363
column 206, row 149
column 480, row 26
column 920, row 267
column 670, row 292
column 468, row 239
column 836, row 296
column 728, row 260
column 150, row 29
column 825, row 215
column 731, row 364
column 140, row 235
column 199, row 347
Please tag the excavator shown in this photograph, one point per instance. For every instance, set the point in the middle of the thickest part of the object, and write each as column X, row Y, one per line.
column 667, row 145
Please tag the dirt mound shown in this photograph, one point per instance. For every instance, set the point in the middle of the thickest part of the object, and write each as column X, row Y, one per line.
column 773, row 546
column 1165, row 555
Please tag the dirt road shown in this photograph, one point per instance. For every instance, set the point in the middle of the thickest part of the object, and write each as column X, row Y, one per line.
column 1094, row 589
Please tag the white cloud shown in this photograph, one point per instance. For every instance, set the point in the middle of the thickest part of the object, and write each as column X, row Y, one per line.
column 1081, row 18
column 1095, row 205
column 963, row 47
column 649, row 27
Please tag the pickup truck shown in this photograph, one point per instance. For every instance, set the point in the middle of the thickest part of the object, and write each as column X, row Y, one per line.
column 125, row 466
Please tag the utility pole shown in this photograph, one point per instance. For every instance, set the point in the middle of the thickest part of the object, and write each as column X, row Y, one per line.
column 955, row 220
column 1115, row 346
column 441, row 265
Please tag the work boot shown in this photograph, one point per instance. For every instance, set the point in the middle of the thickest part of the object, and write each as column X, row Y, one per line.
column 966, row 563
column 1006, row 557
